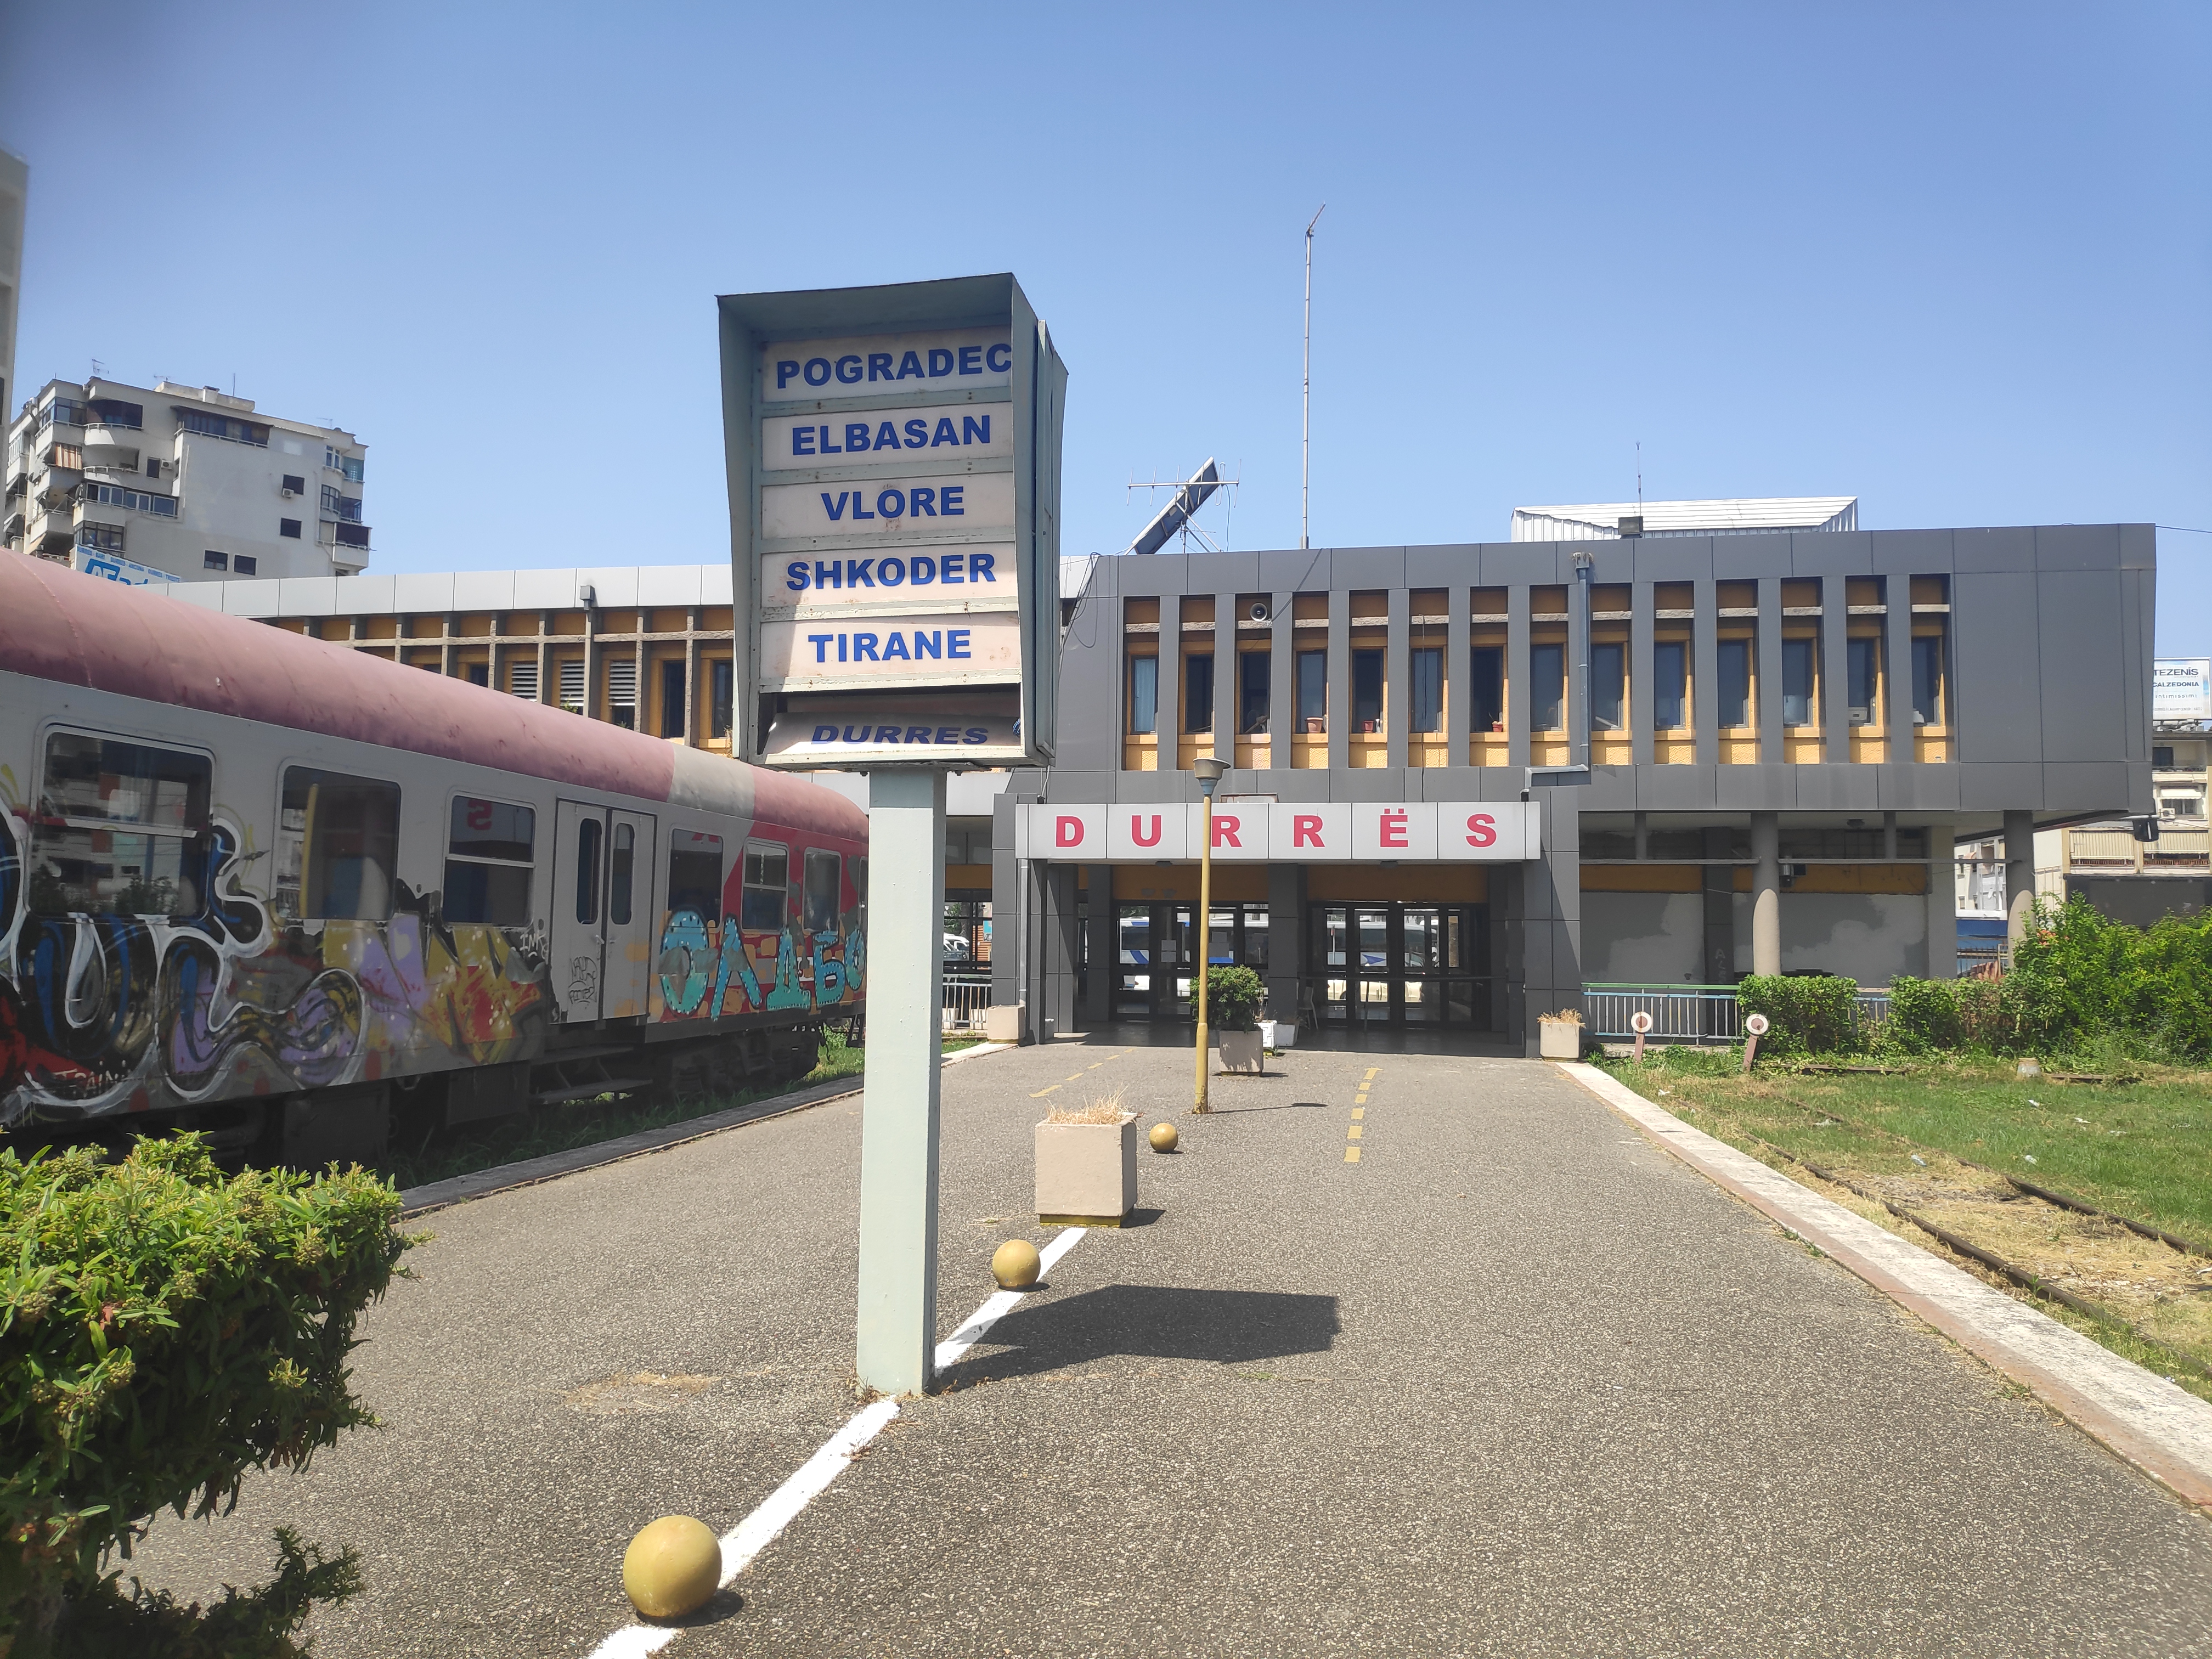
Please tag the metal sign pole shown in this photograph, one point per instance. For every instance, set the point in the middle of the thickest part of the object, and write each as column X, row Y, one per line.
column 900, row 1092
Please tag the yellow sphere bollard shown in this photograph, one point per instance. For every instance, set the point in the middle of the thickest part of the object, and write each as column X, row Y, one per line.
column 1164, row 1138
column 1015, row 1265
column 673, row 1567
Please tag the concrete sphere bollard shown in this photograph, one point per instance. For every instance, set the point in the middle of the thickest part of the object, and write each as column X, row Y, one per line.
column 1015, row 1265
column 673, row 1567
column 1164, row 1138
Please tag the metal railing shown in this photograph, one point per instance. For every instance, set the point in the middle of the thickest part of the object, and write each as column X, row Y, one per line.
column 1692, row 1013
column 967, row 998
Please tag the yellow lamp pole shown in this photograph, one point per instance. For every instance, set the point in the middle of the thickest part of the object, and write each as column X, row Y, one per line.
column 1209, row 769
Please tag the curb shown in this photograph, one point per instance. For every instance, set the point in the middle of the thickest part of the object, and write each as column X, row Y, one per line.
column 2163, row 1431
column 532, row 1171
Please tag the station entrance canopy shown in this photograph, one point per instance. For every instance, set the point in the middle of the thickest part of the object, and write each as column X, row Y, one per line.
column 1283, row 832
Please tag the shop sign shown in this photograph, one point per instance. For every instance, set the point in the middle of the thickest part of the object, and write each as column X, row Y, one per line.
column 1276, row 832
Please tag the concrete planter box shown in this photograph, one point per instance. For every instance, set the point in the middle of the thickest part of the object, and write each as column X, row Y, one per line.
column 1558, row 1039
column 1005, row 1023
column 1086, row 1173
column 1243, row 1051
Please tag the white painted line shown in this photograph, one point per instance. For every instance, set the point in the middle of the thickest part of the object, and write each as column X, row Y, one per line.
column 2163, row 1430
column 951, row 1352
column 759, row 1529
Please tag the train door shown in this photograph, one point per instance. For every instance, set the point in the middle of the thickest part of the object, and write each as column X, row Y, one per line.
column 602, row 942
column 630, row 917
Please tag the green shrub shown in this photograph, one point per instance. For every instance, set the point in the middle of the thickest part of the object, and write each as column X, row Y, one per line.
column 2076, row 974
column 163, row 1329
column 1232, row 999
column 1924, row 1017
column 1805, row 1015
column 255, row 1624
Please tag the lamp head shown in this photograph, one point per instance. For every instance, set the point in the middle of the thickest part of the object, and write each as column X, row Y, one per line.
column 1209, row 769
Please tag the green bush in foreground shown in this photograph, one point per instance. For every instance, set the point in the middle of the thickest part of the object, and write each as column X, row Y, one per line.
column 1805, row 1015
column 163, row 1329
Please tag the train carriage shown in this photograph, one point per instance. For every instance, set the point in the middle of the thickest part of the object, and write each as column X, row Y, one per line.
column 275, row 888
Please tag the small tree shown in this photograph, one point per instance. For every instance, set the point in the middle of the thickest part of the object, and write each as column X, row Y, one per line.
column 1233, row 998
column 163, row 1329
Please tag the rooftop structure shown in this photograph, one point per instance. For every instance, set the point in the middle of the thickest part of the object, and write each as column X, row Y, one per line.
column 1608, row 520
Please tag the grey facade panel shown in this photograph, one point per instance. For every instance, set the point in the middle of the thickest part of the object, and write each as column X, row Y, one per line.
column 2077, row 547
column 2085, row 707
column 1740, row 558
column 1996, row 667
column 1995, row 785
column 1983, row 551
column 1833, row 552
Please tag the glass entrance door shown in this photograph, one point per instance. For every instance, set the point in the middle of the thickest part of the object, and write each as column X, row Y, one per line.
column 1158, row 953
column 1417, row 965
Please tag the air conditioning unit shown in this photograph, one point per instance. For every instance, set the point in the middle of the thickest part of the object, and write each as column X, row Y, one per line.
column 288, row 494
column 1259, row 612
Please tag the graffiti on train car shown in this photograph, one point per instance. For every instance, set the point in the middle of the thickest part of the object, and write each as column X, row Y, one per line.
column 707, row 970
column 103, row 1012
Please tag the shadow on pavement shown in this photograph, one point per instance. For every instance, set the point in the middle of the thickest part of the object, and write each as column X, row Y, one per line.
column 1152, row 1321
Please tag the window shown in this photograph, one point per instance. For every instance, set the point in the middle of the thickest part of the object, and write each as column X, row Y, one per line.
column 1486, row 691
column 1198, row 691
column 671, row 700
column 820, row 911
column 295, row 484
column 337, row 845
column 723, row 680
column 522, row 680
column 589, row 834
column 1735, row 667
column 1798, row 671
column 114, row 411
column 134, row 501
column 212, row 560
column 153, row 466
column 695, row 874
column 345, row 507
column 2161, row 756
column 622, row 693
column 1608, row 686
column 571, row 681
column 352, row 466
column 352, row 535
column 289, row 527
column 1547, row 681
column 1865, row 672
column 1428, row 714
column 1670, row 685
column 120, row 829
column 246, row 565
column 477, row 673
column 219, row 426
column 1928, row 698
column 1255, row 678
column 621, row 870
column 490, row 847
column 1367, row 691
column 100, row 538
column 1144, row 695
column 1313, row 692
column 767, row 883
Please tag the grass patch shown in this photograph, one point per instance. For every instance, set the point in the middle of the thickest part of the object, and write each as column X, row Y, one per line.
column 550, row 1129
column 2139, row 1150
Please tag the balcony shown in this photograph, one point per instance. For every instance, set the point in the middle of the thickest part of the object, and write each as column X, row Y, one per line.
column 354, row 536
column 344, row 508
column 130, row 501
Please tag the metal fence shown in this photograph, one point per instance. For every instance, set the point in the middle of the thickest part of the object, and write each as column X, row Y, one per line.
column 1691, row 1013
column 967, row 998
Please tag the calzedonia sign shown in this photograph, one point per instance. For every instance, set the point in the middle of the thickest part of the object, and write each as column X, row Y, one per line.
column 894, row 462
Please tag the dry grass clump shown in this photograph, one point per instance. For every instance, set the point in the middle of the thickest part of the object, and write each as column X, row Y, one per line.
column 1107, row 1108
column 1565, row 1017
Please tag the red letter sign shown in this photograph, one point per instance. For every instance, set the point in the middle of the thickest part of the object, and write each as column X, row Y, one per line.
column 1482, row 831
column 1225, row 832
column 1305, row 831
column 1068, row 832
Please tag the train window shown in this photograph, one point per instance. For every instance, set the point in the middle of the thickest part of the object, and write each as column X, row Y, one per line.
column 588, row 831
column 120, row 829
column 619, row 870
column 491, row 847
column 820, row 913
column 695, row 874
column 768, row 878
column 338, row 847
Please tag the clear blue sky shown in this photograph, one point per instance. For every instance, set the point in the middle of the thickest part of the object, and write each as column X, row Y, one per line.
column 1951, row 260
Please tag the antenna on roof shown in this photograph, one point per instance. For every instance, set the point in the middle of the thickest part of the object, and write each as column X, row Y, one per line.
column 1305, row 407
column 1190, row 495
column 1639, row 477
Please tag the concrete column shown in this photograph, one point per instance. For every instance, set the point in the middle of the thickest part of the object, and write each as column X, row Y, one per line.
column 1339, row 679
column 1642, row 627
column 1224, row 677
column 1169, row 704
column 1282, row 676
column 1059, row 952
column 1459, row 663
column 2020, row 874
column 1835, row 672
column 1766, row 894
column 1705, row 672
column 897, row 1304
column 1397, row 679
column 696, row 712
column 1942, row 904
column 1517, row 626
column 1105, row 949
column 1766, row 672
column 1286, row 941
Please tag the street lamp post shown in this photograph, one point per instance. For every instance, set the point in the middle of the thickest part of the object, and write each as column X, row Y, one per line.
column 1209, row 769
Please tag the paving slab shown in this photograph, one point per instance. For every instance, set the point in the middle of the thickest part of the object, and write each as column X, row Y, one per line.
column 1514, row 1380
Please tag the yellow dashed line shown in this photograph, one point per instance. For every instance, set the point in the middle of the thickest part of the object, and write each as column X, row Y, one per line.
column 1351, row 1155
column 1354, row 1132
column 1073, row 1077
column 1094, row 1068
column 1362, row 1099
column 1371, row 1072
column 1359, row 1112
column 1041, row 1093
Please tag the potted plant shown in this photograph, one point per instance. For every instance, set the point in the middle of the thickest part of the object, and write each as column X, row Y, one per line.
column 1559, row 1036
column 1086, row 1164
column 1233, row 996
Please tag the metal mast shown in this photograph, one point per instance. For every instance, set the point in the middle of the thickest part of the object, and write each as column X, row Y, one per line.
column 1305, row 417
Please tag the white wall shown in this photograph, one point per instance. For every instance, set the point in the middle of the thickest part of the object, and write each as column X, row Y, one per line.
column 1643, row 937
column 1870, row 937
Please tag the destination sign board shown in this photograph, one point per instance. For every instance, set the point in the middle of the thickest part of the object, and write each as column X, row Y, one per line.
column 894, row 470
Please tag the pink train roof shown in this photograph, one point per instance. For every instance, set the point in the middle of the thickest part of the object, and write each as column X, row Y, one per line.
column 57, row 624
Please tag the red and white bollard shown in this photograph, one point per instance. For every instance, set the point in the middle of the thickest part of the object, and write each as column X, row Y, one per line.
column 1756, row 1028
column 1639, row 1022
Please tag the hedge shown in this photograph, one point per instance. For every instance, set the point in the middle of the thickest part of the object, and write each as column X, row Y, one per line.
column 163, row 1329
column 1805, row 1015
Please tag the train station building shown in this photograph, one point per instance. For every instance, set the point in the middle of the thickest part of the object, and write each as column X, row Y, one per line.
column 1465, row 781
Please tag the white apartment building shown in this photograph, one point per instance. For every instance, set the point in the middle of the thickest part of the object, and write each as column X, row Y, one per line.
column 14, row 194
column 179, row 484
